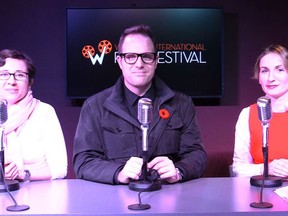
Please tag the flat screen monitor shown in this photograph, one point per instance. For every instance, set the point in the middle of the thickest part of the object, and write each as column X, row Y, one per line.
column 189, row 45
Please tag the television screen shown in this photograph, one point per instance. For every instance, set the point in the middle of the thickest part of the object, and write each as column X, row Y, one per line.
column 189, row 45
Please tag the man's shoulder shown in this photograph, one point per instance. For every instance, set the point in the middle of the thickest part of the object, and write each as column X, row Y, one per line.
column 99, row 96
column 182, row 96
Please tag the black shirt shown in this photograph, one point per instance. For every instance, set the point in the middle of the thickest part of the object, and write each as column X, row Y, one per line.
column 131, row 100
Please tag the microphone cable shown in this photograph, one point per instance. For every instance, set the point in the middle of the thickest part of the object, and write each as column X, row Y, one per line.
column 14, row 207
column 152, row 176
column 140, row 205
column 262, row 204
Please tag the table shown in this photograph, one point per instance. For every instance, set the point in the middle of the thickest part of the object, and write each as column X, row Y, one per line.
column 204, row 196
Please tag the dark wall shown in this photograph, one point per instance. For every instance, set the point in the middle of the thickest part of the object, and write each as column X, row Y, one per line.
column 38, row 28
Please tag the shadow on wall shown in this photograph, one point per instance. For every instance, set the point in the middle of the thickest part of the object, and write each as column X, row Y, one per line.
column 218, row 164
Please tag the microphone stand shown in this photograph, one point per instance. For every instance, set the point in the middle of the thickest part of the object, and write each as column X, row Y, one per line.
column 12, row 185
column 144, row 183
column 265, row 180
column 15, row 207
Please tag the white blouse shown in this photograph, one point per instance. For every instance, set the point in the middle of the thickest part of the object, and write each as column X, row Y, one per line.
column 243, row 164
column 40, row 142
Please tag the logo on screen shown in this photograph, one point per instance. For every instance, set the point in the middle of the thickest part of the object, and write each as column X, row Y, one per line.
column 181, row 53
column 104, row 48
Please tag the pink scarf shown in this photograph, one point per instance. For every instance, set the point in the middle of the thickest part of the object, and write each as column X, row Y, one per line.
column 19, row 113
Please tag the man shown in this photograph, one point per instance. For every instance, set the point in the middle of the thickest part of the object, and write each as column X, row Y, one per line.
column 108, row 143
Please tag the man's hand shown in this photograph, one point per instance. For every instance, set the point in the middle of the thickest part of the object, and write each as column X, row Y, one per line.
column 166, row 169
column 131, row 170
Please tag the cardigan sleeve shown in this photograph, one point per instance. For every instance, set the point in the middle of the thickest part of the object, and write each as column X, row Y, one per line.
column 242, row 160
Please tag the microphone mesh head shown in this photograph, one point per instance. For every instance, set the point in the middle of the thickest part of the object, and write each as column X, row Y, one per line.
column 264, row 109
column 144, row 111
column 3, row 112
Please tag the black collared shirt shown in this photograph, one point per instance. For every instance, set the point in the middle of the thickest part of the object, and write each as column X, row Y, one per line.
column 131, row 99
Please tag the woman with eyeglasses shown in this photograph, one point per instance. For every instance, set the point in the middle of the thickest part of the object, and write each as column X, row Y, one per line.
column 34, row 144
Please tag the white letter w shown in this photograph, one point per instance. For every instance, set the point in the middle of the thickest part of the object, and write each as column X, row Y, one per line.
column 97, row 58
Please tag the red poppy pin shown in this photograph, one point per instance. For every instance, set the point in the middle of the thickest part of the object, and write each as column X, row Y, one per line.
column 164, row 113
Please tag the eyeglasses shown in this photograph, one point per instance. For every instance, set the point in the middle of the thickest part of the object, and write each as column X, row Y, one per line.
column 20, row 76
column 131, row 58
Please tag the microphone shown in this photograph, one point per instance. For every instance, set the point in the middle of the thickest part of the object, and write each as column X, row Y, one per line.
column 145, row 109
column 264, row 110
column 7, row 185
column 3, row 119
column 3, row 112
column 264, row 115
column 11, row 184
column 148, row 180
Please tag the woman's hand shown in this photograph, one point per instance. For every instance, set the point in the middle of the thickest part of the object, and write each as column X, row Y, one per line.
column 11, row 171
column 279, row 167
